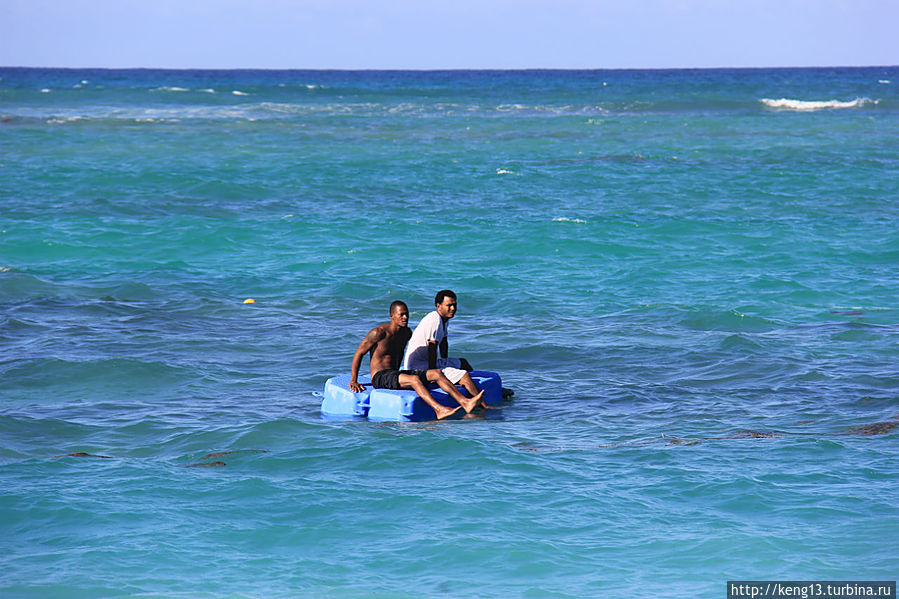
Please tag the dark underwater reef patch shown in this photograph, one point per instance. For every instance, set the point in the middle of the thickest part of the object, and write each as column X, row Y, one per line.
column 863, row 430
column 875, row 428
column 207, row 461
column 81, row 454
column 204, row 463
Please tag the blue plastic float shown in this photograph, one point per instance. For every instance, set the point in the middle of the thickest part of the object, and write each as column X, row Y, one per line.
column 388, row 405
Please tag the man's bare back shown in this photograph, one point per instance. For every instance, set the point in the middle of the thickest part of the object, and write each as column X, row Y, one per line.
column 384, row 344
column 388, row 346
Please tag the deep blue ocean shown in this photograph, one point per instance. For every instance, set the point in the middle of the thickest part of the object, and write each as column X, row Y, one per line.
column 690, row 279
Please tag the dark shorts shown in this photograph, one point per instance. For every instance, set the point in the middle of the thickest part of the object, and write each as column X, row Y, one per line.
column 390, row 379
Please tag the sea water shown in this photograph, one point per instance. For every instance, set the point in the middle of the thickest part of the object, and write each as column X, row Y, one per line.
column 689, row 278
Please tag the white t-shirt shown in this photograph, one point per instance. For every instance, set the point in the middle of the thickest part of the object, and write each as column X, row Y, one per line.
column 431, row 328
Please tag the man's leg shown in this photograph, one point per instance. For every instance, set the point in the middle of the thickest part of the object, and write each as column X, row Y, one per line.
column 435, row 375
column 469, row 385
column 411, row 380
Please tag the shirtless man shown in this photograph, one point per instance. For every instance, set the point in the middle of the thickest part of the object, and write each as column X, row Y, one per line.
column 385, row 344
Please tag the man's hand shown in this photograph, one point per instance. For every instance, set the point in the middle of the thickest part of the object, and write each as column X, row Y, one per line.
column 356, row 387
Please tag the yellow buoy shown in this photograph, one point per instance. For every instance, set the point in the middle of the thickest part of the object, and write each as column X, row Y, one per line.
column 249, row 300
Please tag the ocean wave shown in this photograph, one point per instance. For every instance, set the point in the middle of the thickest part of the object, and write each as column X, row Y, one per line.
column 268, row 109
column 143, row 115
column 565, row 219
column 60, row 120
column 170, row 89
column 546, row 109
column 809, row 105
column 244, row 110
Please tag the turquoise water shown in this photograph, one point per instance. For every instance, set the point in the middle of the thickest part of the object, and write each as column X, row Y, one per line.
column 688, row 277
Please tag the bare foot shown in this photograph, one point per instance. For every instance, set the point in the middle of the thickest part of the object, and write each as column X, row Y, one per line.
column 486, row 407
column 471, row 403
column 445, row 412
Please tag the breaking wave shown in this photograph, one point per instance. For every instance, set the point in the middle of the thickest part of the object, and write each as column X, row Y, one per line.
column 809, row 105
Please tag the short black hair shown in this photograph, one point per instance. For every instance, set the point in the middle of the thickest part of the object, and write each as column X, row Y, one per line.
column 442, row 294
column 396, row 305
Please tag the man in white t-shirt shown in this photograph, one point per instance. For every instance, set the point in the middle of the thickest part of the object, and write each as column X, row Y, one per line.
column 430, row 336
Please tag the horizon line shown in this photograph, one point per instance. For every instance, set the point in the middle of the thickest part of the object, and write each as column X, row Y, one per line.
column 450, row 69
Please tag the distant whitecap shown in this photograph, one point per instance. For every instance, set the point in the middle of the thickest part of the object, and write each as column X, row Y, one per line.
column 884, row 81
column 564, row 219
column 61, row 120
column 510, row 107
column 808, row 105
column 239, row 93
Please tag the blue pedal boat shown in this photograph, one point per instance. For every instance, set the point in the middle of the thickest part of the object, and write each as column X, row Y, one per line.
column 388, row 405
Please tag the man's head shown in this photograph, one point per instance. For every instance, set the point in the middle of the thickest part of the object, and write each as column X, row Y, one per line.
column 446, row 303
column 399, row 313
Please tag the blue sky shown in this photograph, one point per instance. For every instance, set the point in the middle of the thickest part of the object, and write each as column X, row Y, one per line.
column 426, row 34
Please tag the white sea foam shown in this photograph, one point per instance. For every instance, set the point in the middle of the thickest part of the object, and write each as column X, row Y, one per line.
column 809, row 105
column 45, row 91
column 239, row 93
column 207, row 91
column 148, row 119
column 170, row 89
column 174, row 115
column 560, row 110
column 503, row 171
column 884, row 81
column 60, row 120
column 564, row 219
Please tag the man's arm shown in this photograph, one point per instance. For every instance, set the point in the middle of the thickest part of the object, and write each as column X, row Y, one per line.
column 444, row 352
column 365, row 346
column 432, row 355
